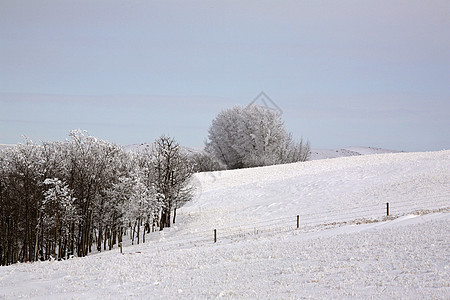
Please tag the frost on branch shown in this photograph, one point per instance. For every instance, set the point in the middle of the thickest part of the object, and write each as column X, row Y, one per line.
column 59, row 199
column 253, row 136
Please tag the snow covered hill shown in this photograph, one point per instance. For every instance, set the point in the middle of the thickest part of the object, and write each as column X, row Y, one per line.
column 345, row 247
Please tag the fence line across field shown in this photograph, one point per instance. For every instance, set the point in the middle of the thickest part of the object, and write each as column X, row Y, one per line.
column 351, row 216
column 304, row 223
column 274, row 225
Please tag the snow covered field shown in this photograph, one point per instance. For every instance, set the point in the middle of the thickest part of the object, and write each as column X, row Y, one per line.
column 346, row 246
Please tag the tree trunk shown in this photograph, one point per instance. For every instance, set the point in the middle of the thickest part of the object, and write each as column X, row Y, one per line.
column 37, row 238
column 72, row 239
column 174, row 215
column 143, row 236
column 60, row 245
column 56, row 235
column 162, row 222
column 110, row 238
column 133, row 230
column 120, row 235
column 168, row 218
column 99, row 239
column 104, row 240
column 138, row 230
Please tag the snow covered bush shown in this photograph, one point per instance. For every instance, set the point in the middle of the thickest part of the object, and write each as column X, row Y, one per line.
column 252, row 136
column 206, row 162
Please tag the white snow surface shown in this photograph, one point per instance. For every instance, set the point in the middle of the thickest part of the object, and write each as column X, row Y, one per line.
column 346, row 246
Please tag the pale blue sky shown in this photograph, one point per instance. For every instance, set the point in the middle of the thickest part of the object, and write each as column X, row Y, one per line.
column 345, row 73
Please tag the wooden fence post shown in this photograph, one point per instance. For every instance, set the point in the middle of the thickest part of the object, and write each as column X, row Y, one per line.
column 215, row 235
column 298, row 221
column 387, row 208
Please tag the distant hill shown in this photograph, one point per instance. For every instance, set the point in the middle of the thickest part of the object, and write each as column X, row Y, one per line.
column 317, row 154
column 148, row 146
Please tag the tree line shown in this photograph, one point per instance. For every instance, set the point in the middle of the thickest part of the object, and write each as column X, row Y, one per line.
column 59, row 199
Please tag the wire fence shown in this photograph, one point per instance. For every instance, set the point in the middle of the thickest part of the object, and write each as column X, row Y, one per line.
column 326, row 218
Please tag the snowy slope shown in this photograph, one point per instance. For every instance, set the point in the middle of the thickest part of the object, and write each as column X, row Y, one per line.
column 407, row 259
column 342, row 189
column 260, row 253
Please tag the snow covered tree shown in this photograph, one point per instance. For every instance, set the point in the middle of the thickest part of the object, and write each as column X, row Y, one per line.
column 253, row 136
column 23, row 169
column 58, row 199
column 90, row 172
column 172, row 172
column 136, row 202
column 56, row 215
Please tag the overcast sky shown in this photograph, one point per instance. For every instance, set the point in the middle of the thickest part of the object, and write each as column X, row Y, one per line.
column 344, row 73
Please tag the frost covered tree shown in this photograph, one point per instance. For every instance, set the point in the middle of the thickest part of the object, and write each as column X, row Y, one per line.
column 93, row 165
column 52, row 196
column 252, row 136
column 56, row 215
column 172, row 172
column 21, row 186
column 59, row 199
